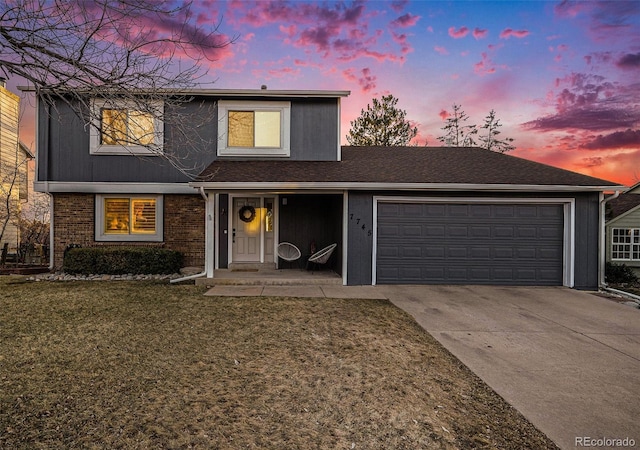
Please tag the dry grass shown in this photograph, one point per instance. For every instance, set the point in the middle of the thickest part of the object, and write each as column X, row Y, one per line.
column 100, row 365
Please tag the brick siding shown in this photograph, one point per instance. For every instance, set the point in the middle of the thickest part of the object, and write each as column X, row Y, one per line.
column 74, row 216
column 184, row 227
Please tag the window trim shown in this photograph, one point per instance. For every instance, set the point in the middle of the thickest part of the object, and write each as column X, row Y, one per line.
column 224, row 106
column 101, row 236
column 95, row 133
column 625, row 247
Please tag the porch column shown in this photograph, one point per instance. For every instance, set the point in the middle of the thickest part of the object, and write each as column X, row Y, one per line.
column 209, row 233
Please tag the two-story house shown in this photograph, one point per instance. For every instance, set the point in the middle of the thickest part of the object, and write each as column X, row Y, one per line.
column 274, row 171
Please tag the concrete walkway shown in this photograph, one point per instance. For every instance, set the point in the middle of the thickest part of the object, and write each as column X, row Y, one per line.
column 568, row 360
column 327, row 291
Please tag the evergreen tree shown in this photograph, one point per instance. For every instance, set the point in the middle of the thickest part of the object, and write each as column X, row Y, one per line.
column 491, row 141
column 457, row 134
column 382, row 124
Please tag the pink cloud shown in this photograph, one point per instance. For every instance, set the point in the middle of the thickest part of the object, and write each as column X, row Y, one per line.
column 629, row 61
column 366, row 80
column 485, row 66
column 600, row 119
column 277, row 73
column 607, row 20
column 430, row 29
column 289, row 31
column 459, row 33
column 508, row 32
column 331, row 31
column 406, row 20
column 570, row 9
column 305, row 63
column 444, row 114
column 480, row 34
column 441, row 50
column 181, row 33
column 618, row 139
column 399, row 5
column 402, row 41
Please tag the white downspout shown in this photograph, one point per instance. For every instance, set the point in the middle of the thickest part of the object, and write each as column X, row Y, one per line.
column 208, row 217
column 603, row 244
column 51, row 240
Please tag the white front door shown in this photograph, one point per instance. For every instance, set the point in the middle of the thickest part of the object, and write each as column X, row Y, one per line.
column 246, row 233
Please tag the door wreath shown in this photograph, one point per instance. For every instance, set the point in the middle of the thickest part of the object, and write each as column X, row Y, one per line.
column 247, row 213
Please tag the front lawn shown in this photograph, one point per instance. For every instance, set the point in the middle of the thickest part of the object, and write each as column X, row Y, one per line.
column 105, row 365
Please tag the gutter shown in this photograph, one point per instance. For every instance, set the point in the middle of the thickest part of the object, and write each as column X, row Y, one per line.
column 603, row 244
column 632, row 297
column 205, row 196
column 287, row 186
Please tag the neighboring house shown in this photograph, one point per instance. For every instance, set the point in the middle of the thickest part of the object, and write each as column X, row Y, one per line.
column 275, row 172
column 14, row 157
column 623, row 229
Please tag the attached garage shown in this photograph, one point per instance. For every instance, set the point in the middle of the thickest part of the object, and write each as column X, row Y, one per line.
column 481, row 241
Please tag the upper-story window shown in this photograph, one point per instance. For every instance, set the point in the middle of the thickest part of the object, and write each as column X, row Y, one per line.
column 248, row 128
column 123, row 129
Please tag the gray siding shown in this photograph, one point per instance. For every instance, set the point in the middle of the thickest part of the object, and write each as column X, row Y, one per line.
column 64, row 143
column 360, row 240
column 312, row 218
column 587, row 238
column 314, row 130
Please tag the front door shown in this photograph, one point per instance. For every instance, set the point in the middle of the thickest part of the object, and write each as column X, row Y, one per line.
column 246, row 233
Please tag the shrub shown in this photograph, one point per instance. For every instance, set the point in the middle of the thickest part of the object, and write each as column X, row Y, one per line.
column 619, row 273
column 121, row 260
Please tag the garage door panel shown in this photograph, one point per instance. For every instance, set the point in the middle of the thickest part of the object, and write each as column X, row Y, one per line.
column 480, row 211
column 458, row 211
column 411, row 230
column 501, row 231
column 457, row 231
column 480, row 232
column 551, row 232
column 466, row 243
column 434, row 252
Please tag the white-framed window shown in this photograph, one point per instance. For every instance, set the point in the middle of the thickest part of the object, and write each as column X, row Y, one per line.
column 129, row 218
column 625, row 244
column 121, row 128
column 252, row 128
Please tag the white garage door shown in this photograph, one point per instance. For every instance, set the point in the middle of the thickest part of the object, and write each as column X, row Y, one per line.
column 470, row 243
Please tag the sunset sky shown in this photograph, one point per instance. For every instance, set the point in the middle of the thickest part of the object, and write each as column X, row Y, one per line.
column 563, row 77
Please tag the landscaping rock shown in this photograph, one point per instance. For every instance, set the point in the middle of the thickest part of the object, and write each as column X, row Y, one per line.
column 59, row 276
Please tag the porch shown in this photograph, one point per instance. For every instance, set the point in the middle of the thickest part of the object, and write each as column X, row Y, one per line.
column 250, row 227
column 271, row 277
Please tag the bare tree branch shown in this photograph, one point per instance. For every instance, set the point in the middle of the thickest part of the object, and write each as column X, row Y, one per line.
column 136, row 52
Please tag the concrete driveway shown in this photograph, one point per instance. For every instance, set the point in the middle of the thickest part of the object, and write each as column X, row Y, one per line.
column 568, row 360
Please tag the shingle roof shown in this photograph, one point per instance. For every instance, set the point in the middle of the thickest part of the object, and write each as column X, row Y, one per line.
column 429, row 165
column 621, row 205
